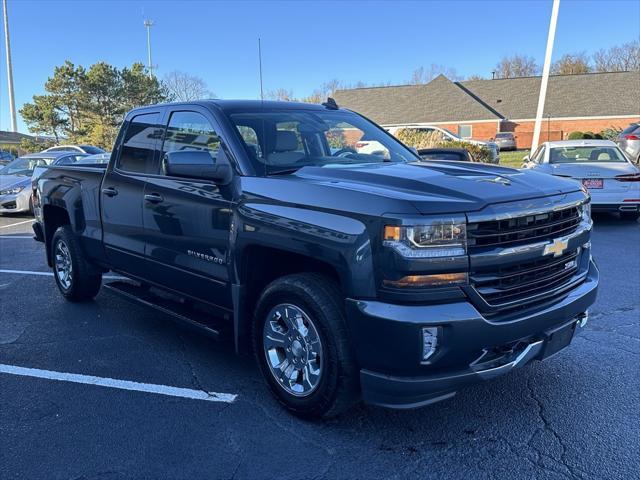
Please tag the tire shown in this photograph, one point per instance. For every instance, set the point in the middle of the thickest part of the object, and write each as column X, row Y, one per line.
column 318, row 303
column 629, row 216
column 76, row 278
column 31, row 205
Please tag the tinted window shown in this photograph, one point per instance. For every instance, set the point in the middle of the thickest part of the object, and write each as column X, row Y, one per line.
column 443, row 156
column 630, row 129
column 138, row 145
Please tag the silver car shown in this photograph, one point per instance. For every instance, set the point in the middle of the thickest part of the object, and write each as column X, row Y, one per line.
column 16, row 178
column 505, row 141
column 629, row 142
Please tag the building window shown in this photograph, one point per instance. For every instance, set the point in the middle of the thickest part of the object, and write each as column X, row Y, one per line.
column 465, row 131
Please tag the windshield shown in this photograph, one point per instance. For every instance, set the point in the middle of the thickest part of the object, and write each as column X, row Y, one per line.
column 585, row 154
column 282, row 141
column 23, row 166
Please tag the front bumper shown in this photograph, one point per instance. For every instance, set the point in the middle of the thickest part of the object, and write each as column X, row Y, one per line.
column 15, row 203
column 471, row 348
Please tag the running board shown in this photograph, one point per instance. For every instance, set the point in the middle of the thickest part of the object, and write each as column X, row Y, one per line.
column 176, row 309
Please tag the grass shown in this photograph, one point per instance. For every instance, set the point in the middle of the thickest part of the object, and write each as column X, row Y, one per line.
column 513, row 159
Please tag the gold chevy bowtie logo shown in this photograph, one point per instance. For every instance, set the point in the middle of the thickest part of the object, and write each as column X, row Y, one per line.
column 557, row 247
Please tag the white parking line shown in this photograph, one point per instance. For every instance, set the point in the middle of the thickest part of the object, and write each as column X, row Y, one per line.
column 15, row 236
column 119, row 384
column 50, row 274
column 18, row 223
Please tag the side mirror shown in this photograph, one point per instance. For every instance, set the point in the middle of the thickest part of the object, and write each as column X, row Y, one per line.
column 525, row 159
column 198, row 164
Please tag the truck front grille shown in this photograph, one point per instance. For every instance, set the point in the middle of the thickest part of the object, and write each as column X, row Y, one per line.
column 505, row 287
column 521, row 230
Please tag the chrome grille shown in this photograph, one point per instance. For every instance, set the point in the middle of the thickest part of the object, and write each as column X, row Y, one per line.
column 521, row 230
column 526, row 283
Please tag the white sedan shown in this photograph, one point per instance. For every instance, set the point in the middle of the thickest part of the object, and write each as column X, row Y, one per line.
column 611, row 179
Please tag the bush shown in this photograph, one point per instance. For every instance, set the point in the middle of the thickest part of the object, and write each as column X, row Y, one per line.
column 575, row 136
column 588, row 135
column 421, row 139
column 597, row 136
column 610, row 133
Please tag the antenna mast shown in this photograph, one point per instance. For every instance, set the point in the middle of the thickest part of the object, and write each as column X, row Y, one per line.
column 260, row 66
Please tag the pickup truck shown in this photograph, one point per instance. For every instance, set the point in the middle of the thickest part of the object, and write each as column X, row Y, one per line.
column 349, row 276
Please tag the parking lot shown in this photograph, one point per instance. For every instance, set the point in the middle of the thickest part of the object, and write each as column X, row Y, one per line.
column 574, row 416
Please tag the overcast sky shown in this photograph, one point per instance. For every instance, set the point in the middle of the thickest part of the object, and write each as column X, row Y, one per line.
column 304, row 43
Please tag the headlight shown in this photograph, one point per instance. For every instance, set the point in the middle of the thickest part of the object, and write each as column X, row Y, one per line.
column 586, row 211
column 11, row 191
column 436, row 239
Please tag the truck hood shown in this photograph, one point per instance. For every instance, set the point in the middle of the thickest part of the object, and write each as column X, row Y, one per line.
column 435, row 187
column 11, row 181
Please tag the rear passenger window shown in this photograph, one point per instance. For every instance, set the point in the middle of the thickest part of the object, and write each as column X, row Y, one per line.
column 139, row 143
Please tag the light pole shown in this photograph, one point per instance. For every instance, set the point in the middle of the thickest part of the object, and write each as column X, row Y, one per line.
column 148, row 24
column 12, row 102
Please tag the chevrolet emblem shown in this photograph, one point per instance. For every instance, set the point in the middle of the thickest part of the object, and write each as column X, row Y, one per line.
column 557, row 247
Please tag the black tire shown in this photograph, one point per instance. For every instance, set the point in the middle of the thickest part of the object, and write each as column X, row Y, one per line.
column 84, row 281
column 31, row 205
column 629, row 216
column 338, row 387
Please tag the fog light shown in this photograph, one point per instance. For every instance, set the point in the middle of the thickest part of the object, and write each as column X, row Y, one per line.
column 429, row 342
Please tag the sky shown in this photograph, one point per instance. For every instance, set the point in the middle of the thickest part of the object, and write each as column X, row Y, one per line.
column 304, row 43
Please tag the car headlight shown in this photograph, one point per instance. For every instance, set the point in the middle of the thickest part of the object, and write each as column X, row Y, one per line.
column 585, row 210
column 439, row 238
column 11, row 191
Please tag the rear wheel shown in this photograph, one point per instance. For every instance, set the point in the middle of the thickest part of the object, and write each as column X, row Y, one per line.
column 630, row 216
column 76, row 278
column 301, row 345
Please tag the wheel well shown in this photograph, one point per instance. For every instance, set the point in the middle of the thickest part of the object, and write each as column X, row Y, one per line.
column 54, row 217
column 262, row 265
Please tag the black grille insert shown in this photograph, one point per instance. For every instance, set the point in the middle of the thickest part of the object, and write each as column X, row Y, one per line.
column 525, row 229
column 525, row 283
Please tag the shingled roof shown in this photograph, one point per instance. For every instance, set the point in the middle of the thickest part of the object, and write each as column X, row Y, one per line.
column 441, row 100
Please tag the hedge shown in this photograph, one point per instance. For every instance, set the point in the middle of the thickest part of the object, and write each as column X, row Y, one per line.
column 421, row 139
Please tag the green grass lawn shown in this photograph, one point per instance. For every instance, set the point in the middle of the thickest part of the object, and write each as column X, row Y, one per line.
column 513, row 159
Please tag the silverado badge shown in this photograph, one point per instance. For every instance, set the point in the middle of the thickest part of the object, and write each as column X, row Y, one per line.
column 557, row 247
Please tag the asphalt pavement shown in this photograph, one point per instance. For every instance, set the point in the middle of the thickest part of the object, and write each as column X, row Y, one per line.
column 576, row 415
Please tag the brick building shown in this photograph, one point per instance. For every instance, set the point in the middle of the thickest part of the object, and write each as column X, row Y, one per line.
column 480, row 108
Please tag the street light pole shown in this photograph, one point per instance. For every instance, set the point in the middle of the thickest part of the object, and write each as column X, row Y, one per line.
column 545, row 74
column 12, row 102
column 148, row 24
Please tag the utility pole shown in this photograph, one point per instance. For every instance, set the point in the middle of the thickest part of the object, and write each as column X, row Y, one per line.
column 260, row 68
column 148, row 24
column 545, row 75
column 12, row 101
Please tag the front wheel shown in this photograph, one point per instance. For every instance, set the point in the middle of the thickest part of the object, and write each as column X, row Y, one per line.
column 77, row 280
column 301, row 345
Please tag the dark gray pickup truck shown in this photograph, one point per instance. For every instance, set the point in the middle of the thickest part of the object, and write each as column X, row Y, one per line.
column 350, row 276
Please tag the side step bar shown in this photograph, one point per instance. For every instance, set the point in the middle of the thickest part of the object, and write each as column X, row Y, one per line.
column 174, row 308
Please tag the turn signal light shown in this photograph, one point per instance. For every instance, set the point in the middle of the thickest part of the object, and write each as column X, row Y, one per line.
column 422, row 281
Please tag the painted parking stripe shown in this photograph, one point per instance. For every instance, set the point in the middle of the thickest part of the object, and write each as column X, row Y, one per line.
column 50, row 274
column 119, row 384
column 15, row 236
column 17, row 223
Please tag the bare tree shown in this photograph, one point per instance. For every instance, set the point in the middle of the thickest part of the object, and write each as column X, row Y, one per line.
column 184, row 87
column 474, row 77
column 516, row 66
column 280, row 94
column 571, row 64
column 620, row 58
column 424, row 75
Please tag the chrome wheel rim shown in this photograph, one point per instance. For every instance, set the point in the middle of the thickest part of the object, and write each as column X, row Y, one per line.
column 64, row 267
column 293, row 349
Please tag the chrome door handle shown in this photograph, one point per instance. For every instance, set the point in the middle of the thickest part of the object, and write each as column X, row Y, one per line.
column 153, row 198
column 110, row 192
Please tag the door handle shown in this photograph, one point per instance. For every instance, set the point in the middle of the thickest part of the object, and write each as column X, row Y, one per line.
column 153, row 198
column 110, row 191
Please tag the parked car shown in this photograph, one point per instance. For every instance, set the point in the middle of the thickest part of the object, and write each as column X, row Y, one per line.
column 612, row 180
column 629, row 142
column 16, row 178
column 90, row 149
column 458, row 154
column 446, row 135
column 6, row 157
column 505, row 141
column 351, row 276
column 97, row 159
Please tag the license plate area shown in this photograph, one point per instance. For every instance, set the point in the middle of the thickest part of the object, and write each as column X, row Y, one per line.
column 557, row 340
column 593, row 183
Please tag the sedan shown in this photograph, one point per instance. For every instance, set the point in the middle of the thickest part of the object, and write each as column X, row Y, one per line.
column 505, row 141
column 16, row 178
column 629, row 142
column 611, row 179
